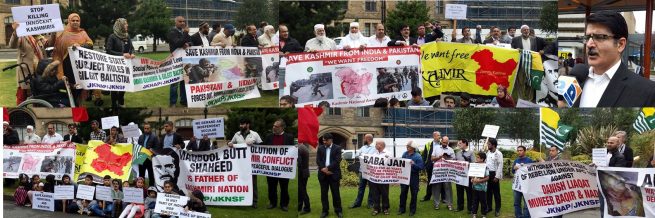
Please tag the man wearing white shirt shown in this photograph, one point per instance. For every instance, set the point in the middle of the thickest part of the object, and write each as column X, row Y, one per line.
column 368, row 148
column 320, row 42
column 420, row 38
column 31, row 137
column 442, row 153
column 495, row 166
column 380, row 191
column 248, row 137
column 380, row 39
column 355, row 39
column 266, row 39
column 52, row 136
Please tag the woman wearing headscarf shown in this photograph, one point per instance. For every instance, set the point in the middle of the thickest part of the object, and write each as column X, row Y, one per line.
column 73, row 35
column 119, row 44
column 503, row 99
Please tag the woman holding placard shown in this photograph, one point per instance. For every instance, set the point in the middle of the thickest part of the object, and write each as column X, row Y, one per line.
column 37, row 186
column 135, row 209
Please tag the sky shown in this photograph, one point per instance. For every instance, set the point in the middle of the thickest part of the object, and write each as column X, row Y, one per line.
column 640, row 21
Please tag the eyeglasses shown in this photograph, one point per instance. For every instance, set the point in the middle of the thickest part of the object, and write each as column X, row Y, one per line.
column 596, row 37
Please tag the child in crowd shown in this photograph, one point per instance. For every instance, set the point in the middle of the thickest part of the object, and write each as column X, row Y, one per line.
column 24, row 186
column 85, row 206
column 50, row 184
column 135, row 209
column 480, row 188
column 97, row 209
column 65, row 180
column 117, row 195
column 37, row 186
column 150, row 202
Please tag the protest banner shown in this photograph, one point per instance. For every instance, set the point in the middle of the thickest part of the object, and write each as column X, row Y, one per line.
column 212, row 128
column 131, row 131
column 455, row 11
column 133, row 195
column 37, row 19
column 63, row 192
column 170, row 204
column 80, row 150
column 274, row 160
column 471, row 68
column 102, row 159
column 43, row 201
column 109, row 122
column 39, row 159
column 490, row 131
column 217, row 75
column 85, row 192
column 558, row 187
column 477, row 169
column 628, row 192
column 223, row 175
column 354, row 77
column 516, row 181
column 271, row 65
column 385, row 170
column 450, row 171
column 103, row 193
column 193, row 214
column 599, row 157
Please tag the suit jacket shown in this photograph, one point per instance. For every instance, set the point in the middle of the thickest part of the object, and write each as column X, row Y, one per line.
column 288, row 139
column 205, row 145
column 177, row 38
column 618, row 160
column 292, row 46
column 177, row 139
column 626, row 89
column 249, row 41
column 334, row 167
column 153, row 141
column 303, row 161
column 76, row 138
column 412, row 41
column 197, row 41
column 628, row 154
column 536, row 44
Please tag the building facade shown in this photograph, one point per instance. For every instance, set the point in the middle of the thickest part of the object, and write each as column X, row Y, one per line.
column 210, row 11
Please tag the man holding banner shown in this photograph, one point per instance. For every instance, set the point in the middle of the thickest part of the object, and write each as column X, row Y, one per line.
column 464, row 154
column 178, row 37
column 279, row 137
column 249, row 137
column 427, row 161
column 380, row 191
column 442, row 153
column 518, row 196
column 368, row 148
column 417, row 166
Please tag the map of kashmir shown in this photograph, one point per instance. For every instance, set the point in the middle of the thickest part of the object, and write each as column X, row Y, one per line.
column 492, row 71
column 108, row 160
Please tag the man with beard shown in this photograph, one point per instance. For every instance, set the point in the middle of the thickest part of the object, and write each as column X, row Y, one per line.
column 200, row 72
column 31, row 137
column 287, row 44
column 279, row 137
column 354, row 39
column 96, row 132
column 380, row 39
column 200, row 38
column 178, row 37
column 609, row 83
column 150, row 141
column 266, row 39
column 52, row 136
column 525, row 41
column 386, row 82
column 72, row 135
column 495, row 36
column 466, row 33
column 224, row 38
column 166, row 168
column 320, row 42
column 248, row 137
column 170, row 139
column 403, row 39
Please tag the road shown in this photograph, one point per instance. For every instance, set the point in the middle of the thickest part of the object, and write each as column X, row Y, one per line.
column 11, row 210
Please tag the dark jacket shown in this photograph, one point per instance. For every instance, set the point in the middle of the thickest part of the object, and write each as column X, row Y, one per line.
column 412, row 41
column 426, row 154
column 153, row 141
column 197, row 41
column 116, row 46
column 288, row 139
column 629, row 156
column 434, row 35
column 177, row 139
column 204, row 145
column 249, row 41
column 303, row 161
column 617, row 160
column 334, row 167
column 45, row 85
column 10, row 138
column 536, row 43
column 177, row 38
column 626, row 89
column 76, row 138
column 292, row 46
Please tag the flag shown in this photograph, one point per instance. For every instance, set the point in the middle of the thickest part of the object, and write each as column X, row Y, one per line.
column 552, row 131
column 80, row 114
column 103, row 159
column 308, row 125
column 533, row 67
column 645, row 121
column 5, row 114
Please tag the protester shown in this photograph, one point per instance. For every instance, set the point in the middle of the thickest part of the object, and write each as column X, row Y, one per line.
column 37, row 186
column 420, row 37
column 248, row 137
column 9, row 136
column 320, row 42
column 624, row 148
column 426, row 156
column 354, row 39
column 304, row 206
column 66, row 180
column 478, row 35
column 380, row 39
column 150, row 141
column 381, row 103
column 466, row 155
column 417, row 98
column 21, row 193
column 250, row 38
column 503, row 99
column 465, row 100
column 287, row 101
column 449, row 101
column 104, row 208
column 367, row 148
column 261, row 29
column 196, row 203
column 394, row 103
column 266, row 39
column 403, row 38
column 201, row 38
column 31, row 137
column 287, row 44
column 178, row 37
column 216, row 28
column 279, row 137
column 510, row 34
column 170, row 139
column 328, row 159
column 527, row 41
column 115, row 137
column 518, row 196
column 442, row 153
column 29, row 51
column 480, row 188
column 50, row 183
column 72, row 135
column 117, row 195
column 466, row 36
column 51, row 136
column 96, row 132
column 494, row 160
column 225, row 37
column 495, row 37
column 204, row 144
column 119, row 44
column 417, row 166
column 437, row 33
column 47, row 87
column 168, row 189
column 380, row 191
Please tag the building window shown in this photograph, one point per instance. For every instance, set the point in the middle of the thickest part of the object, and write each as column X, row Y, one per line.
column 367, row 29
column 363, row 112
column 19, row 120
column 184, row 123
column 334, row 111
column 12, row 1
column 370, row 5
column 440, row 7
column 60, row 127
column 43, row 2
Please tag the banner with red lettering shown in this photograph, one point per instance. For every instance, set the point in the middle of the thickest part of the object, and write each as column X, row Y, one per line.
column 274, row 160
column 354, row 77
column 385, row 170
column 223, row 175
column 271, row 64
column 558, row 187
column 628, row 192
column 450, row 171
column 57, row 159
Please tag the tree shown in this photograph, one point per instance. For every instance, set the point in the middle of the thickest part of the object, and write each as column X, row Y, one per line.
column 261, row 120
column 411, row 13
column 548, row 19
column 97, row 16
column 310, row 13
column 520, row 124
column 252, row 12
column 274, row 12
column 152, row 18
column 469, row 123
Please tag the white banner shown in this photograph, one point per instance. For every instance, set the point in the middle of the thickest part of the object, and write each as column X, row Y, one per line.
column 131, row 131
column 170, row 204
column 133, row 195
column 63, row 192
column 274, row 160
column 450, row 171
column 37, row 19
column 57, row 159
column 212, row 128
column 193, row 214
column 85, row 192
column 103, row 193
column 109, row 122
column 271, row 61
column 558, row 187
column 43, row 201
column 353, row 78
column 456, row 11
column 628, row 192
column 385, row 170
column 223, row 175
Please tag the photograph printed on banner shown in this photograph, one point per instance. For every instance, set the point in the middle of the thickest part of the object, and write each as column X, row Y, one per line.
column 215, row 69
column 200, row 70
column 317, row 88
column 31, row 164
column 396, row 79
column 622, row 194
column 165, row 165
column 57, row 164
column 11, row 164
column 272, row 72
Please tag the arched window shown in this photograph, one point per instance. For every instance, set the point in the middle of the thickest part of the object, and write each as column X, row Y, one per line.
column 19, row 120
column 60, row 127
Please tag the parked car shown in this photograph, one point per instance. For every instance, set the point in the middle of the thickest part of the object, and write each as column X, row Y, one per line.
column 140, row 43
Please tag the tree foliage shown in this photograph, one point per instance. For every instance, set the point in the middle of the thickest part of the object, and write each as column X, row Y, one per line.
column 253, row 12
column 469, row 122
column 153, row 19
column 125, row 115
column 411, row 13
column 300, row 16
column 548, row 19
column 261, row 120
column 97, row 16
column 520, row 124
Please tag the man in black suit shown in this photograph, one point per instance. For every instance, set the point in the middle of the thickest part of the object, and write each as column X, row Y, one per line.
column 200, row 38
column 150, row 141
column 535, row 44
column 72, row 135
column 624, row 149
column 303, row 175
column 279, row 137
column 250, row 39
column 170, row 139
column 287, row 44
column 609, row 83
column 178, row 37
column 403, row 39
column 328, row 157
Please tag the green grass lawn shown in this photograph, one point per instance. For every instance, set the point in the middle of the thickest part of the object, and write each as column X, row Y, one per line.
column 245, row 211
column 150, row 98
column 423, row 209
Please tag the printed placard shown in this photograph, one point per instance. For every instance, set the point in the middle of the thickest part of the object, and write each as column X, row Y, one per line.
column 37, row 19
column 133, row 195
column 63, row 192
column 43, row 201
column 170, row 204
column 85, row 192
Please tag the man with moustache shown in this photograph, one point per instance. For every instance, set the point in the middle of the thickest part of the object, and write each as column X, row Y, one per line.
column 354, row 39
column 380, row 39
column 248, row 137
column 320, row 42
column 150, row 141
column 201, row 38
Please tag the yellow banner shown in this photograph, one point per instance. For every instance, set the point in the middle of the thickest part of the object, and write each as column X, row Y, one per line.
column 103, row 159
column 471, row 68
column 80, row 150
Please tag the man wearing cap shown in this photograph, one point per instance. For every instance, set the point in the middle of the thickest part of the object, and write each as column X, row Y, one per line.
column 52, row 136
column 224, row 38
column 320, row 42
column 380, row 39
column 266, row 39
column 31, row 137
column 72, row 135
column 354, row 39
column 417, row 166
column 200, row 38
column 287, row 44
column 525, row 41
column 10, row 137
column 96, row 132
column 250, row 38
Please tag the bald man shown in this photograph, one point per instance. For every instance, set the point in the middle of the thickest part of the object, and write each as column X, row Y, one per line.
column 367, row 148
column 616, row 159
column 178, row 37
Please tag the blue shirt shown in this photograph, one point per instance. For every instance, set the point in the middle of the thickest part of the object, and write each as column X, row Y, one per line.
column 168, row 140
column 418, row 161
column 521, row 160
